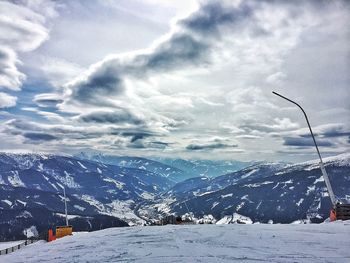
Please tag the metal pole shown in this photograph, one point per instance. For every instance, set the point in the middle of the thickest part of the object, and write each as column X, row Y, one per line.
column 65, row 205
column 324, row 173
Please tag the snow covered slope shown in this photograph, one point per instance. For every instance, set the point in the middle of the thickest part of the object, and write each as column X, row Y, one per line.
column 197, row 243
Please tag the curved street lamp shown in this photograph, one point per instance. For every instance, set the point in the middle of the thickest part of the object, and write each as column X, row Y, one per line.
column 324, row 173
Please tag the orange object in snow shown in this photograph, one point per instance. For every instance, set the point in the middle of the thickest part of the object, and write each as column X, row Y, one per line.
column 62, row 231
column 50, row 236
column 333, row 215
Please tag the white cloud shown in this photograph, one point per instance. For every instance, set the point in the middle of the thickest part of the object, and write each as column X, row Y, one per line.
column 22, row 29
column 170, row 85
column 7, row 101
column 10, row 76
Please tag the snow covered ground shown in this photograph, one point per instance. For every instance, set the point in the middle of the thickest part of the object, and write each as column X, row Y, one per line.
column 327, row 242
column 4, row 245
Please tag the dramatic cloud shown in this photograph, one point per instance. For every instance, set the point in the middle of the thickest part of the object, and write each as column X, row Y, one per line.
column 174, row 79
column 189, row 45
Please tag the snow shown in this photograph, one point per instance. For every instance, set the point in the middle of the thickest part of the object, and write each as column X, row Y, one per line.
column 122, row 210
column 68, row 180
column 2, row 180
column 300, row 201
column 31, row 232
column 341, row 160
column 228, row 195
column 320, row 179
column 147, row 196
column 40, row 167
column 310, row 189
column 240, row 206
column 257, row 184
column 4, row 245
column 197, row 243
column 81, row 165
column 215, row 204
column 24, row 214
column 79, row 207
column 54, row 186
column 234, row 219
column 92, row 201
column 249, row 174
column 7, row 202
column 68, row 216
column 15, row 180
column 118, row 184
column 22, row 202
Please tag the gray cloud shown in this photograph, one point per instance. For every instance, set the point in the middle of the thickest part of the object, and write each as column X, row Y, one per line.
column 181, row 49
column 209, row 146
column 117, row 116
column 305, row 142
column 137, row 135
column 214, row 14
column 34, row 136
column 139, row 144
column 335, row 133
column 188, row 46
column 329, row 131
column 103, row 83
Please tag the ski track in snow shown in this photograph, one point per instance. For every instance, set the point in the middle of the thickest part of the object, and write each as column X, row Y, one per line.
column 197, row 243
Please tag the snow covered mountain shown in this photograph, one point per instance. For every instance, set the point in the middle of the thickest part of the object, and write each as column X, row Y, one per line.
column 32, row 181
column 279, row 192
column 200, row 185
column 205, row 168
column 172, row 173
column 101, row 195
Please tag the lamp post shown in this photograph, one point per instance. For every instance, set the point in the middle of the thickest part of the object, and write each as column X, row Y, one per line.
column 65, row 203
column 324, row 173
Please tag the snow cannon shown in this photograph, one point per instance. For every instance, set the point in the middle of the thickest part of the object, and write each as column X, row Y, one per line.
column 338, row 211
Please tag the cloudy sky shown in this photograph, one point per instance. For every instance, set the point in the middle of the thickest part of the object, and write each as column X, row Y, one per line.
column 190, row 79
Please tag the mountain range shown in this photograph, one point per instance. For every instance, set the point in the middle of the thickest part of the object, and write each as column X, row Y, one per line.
column 104, row 191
